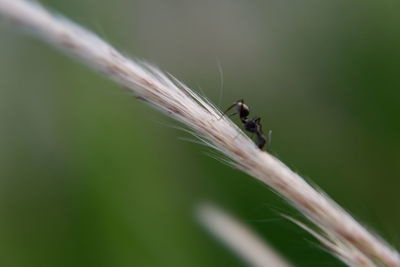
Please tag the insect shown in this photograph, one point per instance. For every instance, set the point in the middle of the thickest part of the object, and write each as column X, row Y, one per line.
column 251, row 125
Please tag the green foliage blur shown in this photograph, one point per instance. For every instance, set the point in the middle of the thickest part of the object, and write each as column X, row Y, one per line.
column 90, row 176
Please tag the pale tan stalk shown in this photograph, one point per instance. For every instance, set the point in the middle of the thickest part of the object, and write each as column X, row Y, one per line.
column 175, row 99
column 239, row 238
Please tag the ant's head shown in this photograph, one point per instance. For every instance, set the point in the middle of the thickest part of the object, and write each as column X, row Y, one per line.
column 242, row 109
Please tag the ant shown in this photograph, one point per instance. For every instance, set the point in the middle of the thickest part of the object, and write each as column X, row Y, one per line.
column 253, row 126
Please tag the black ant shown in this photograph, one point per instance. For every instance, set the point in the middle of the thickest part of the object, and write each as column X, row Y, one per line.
column 253, row 126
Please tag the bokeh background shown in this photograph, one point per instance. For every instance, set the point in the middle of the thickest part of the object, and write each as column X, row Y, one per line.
column 89, row 176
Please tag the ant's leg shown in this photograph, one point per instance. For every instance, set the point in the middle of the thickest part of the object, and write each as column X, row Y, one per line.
column 229, row 108
column 268, row 147
column 257, row 121
column 233, row 114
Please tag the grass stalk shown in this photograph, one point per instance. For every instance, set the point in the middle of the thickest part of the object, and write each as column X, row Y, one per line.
column 167, row 94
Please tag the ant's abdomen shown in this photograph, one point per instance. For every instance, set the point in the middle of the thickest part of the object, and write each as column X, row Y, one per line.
column 261, row 141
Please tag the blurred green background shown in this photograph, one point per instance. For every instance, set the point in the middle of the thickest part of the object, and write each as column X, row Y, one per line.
column 89, row 176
